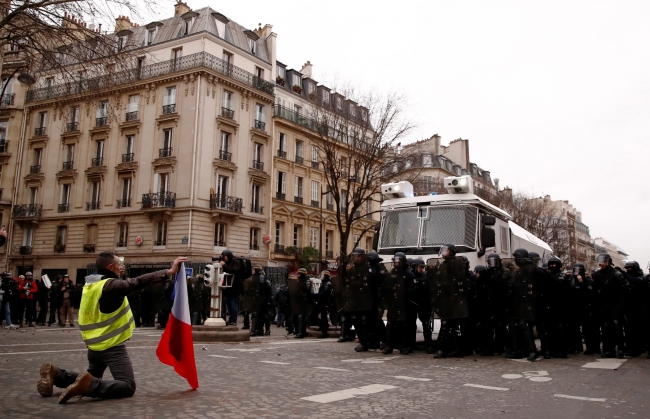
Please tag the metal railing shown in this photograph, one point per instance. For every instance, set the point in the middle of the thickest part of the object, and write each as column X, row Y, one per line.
column 297, row 199
column 7, row 100
column 278, row 248
column 159, row 200
column 68, row 165
column 59, row 248
column 121, row 244
column 25, row 250
column 72, row 126
column 259, row 165
column 330, row 207
column 220, row 243
column 329, row 254
column 259, row 125
column 315, row 204
column 98, row 161
column 299, row 160
column 101, row 121
column 131, row 116
column 40, row 131
column 257, row 209
column 282, row 154
column 228, row 113
column 226, row 202
column 167, row 109
column 94, row 205
column 27, row 211
column 4, row 146
column 192, row 61
column 254, row 246
column 124, row 203
column 35, row 169
column 225, row 155
column 315, row 165
column 280, row 195
column 128, row 157
column 64, row 207
column 165, row 152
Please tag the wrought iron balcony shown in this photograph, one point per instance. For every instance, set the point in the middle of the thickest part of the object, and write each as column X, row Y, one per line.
column 315, row 165
column 165, row 152
column 257, row 209
column 220, row 243
column 25, row 250
column 254, row 246
column 94, row 205
column 299, row 160
column 97, row 161
column 59, row 248
column 259, row 125
column 315, row 204
column 297, row 199
column 200, row 59
column 7, row 100
column 101, row 121
column 280, row 195
column 121, row 244
column 225, row 155
column 72, row 126
column 226, row 202
column 64, row 207
column 27, row 211
column 329, row 254
column 131, row 116
column 68, row 165
column 40, row 131
column 159, row 200
column 282, row 154
column 227, row 113
column 167, row 109
column 258, row 165
column 89, row 248
column 278, row 248
column 330, row 207
column 35, row 169
column 124, row 203
column 4, row 146
column 128, row 157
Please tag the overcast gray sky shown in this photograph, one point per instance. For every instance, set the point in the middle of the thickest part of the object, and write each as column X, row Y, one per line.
column 553, row 96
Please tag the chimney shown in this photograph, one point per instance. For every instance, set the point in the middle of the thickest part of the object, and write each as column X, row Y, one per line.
column 263, row 32
column 306, row 69
column 122, row 22
column 181, row 8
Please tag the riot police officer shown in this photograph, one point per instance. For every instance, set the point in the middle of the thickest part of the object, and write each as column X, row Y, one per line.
column 254, row 291
column 522, row 302
column 580, row 320
column 299, row 293
column 377, row 278
column 322, row 302
column 636, row 311
column 360, row 302
column 421, row 306
column 490, row 286
column 610, row 299
column 397, row 284
column 558, row 289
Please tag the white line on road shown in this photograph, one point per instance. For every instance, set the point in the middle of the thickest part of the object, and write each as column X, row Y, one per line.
column 336, row 396
column 332, row 369
column 486, row 387
column 223, row 356
column 589, row 399
column 404, row 377
column 275, row 362
column 289, row 342
column 605, row 364
column 66, row 350
column 252, row 349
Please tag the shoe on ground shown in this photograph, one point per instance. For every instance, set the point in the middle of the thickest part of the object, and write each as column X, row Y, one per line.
column 71, row 324
column 45, row 384
column 299, row 336
column 440, row 355
column 12, row 326
column 80, row 387
column 361, row 348
column 267, row 332
column 245, row 327
column 405, row 351
column 30, row 324
column 387, row 351
column 547, row 355
column 532, row 357
column 342, row 339
column 620, row 355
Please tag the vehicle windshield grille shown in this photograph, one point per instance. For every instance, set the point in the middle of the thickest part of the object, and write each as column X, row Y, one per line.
column 400, row 228
column 453, row 225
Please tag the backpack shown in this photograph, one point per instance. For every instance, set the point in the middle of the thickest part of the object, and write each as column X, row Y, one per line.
column 247, row 267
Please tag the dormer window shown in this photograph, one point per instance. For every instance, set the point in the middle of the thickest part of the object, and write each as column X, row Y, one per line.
column 253, row 46
column 121, row 42
column 151, row 34
column 187, row 25
column 296, row 80
column 326, row 97
column 352, row 110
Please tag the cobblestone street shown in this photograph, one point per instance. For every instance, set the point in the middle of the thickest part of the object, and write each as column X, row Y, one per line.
column 275, row 377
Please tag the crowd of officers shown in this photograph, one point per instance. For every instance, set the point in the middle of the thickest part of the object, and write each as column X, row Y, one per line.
column 490, row 310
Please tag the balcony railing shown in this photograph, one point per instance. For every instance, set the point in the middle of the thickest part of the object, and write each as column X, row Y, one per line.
column 128, row 157
column 59, row 248
column 315, row 204
column 94, row 205
column 278, row 248
column 220, row 243
column 121, row 244
column 228, row 113
column 131, row 116
column 299, row 160
column 259, row 125
column 27, row 211
column 315, row 165
column 369, row 216
column 4, row 146
column 159, row 200
column 330, row 207
column 101, row 121
column 7, row 100
column 72, row 126
column 68, row 165
column 64, row 207
column 329, row 254
column 40, row 131
column 167, row 109
column 254, row 246
column 89, row 248
column 165, row 152
column 257, row 209
column 98, row 161
column 297, row 199
column 200, row 59
column 259, row 165
column 225, row 155
column 25, row 250
column 280, row 195
column 123, row 203
column 35, row 169
column 226, row 202
column 282, row 154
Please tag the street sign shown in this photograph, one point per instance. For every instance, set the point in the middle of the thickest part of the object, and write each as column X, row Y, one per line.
column 188, row 272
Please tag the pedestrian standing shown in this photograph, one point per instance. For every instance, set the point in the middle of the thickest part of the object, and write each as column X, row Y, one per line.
column 27, row 289
column 65, row 297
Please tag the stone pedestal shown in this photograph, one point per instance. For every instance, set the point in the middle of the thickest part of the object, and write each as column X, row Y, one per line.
column 208, row 334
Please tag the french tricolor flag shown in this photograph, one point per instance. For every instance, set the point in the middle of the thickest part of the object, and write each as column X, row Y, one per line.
column 176, row 347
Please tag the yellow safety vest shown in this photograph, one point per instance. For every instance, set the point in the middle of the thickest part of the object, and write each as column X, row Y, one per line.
column 103, row 331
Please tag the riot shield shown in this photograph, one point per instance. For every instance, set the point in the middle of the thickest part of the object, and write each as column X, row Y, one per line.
column 339, row 291
column 361, row 292
column 250, row 296
column 522, row 295
column 298, row 296
column 394, row 297
column 450, row 292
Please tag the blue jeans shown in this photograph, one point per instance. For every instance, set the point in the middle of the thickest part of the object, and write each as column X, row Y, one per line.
column 4, row 308
column 232, row 303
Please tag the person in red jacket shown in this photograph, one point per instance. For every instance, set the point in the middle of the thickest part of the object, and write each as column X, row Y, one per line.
column 27, row 288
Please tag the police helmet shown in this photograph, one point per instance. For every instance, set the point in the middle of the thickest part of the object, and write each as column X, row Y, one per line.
column 578, row 269
column 358, row 251
column 419, row 262
column 399, row 259
column 410, row 261
column 604, row 258
column 633, row 265
column 554, row 264
column 521, row 254
column 478, row 269
column 372, row 256
column 447, row 251
column 493, row 260
column 534, row 256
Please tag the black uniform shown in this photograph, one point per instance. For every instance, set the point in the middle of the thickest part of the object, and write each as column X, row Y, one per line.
column 559, row 287
column 360, row 300
column 490, row 292
column 377, row 278
column 299, row 294
column 609, row 304
column 580, row 317
column 450, row 289
column 636, row 312
column 522, row 304
column 322, row 301
column 397, row 285
column 421, row 308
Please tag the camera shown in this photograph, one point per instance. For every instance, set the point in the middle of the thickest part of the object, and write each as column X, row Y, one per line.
column 217, row 258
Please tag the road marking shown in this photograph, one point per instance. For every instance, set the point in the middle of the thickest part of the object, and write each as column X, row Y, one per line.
column 589, row 399
column 336, row 396
column 332, row 369
column 404, row 377
column 275, row 362
column 223, row 356
column 252, row 349
column 65, row 350
column 290, row 342
column 376, row 360
column 512, row 376
column 527, row 361
column 605, row 364
column 486, row 387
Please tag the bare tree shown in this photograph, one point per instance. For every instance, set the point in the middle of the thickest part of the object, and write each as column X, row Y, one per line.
column 359, row 147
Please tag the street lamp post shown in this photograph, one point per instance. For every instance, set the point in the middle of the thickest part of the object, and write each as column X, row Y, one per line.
column 24, row 78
